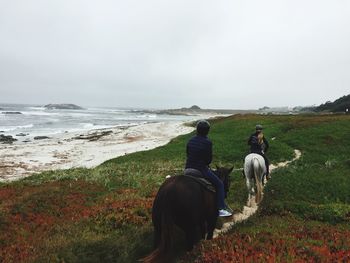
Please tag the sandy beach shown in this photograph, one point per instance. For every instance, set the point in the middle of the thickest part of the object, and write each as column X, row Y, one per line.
column 87, row 149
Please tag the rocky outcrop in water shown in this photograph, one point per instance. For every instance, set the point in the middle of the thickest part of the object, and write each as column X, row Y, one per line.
column 7, row 139
column 41, row 137
column 63, row 107
column 22, row 134
column 11, row 112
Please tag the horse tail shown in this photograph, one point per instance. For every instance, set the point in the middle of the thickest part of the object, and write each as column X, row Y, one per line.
column 165, row 232
column 259, row 187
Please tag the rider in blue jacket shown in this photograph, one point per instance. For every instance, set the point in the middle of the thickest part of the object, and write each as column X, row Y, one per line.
column 199, row 156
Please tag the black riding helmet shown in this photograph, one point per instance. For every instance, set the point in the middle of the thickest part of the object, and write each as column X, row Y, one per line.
column 203, row 127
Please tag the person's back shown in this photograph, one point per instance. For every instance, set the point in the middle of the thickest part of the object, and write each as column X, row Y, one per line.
column 257, row 141
column 254, row 145
column 199, row 153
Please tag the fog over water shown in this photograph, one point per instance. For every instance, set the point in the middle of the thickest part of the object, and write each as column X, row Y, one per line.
column 168, row 54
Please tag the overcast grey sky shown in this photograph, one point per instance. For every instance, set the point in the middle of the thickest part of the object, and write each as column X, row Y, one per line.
column 166, row 54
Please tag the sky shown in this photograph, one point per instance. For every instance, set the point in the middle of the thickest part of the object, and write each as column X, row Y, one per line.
column 168, row 54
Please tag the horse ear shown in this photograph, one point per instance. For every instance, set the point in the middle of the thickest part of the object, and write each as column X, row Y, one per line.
column 217, row 167
column 231, row 169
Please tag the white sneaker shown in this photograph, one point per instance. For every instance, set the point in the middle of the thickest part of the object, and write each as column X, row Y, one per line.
column 224, row 213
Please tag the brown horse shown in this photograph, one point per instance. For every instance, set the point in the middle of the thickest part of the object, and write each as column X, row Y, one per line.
column 183, row 202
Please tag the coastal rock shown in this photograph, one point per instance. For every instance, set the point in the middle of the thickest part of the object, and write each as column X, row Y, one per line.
column 63, row 107
column 41, row 137
column 7, row 139
column 11, row 112
column 22, row 134
column 93, row 136
column 195, row 107
column 27, row 140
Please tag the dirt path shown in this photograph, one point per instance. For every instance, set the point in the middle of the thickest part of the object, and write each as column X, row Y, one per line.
column 248, row 211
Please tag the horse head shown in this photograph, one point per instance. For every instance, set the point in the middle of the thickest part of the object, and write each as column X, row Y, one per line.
column 224, row 174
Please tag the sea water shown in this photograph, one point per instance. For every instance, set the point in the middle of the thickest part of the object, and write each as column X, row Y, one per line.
column 36, row 120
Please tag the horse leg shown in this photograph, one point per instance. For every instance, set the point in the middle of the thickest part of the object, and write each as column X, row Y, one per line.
column 190, row 238
column 157, row 237
column 251, row 192
column 203, row 229
column 211, row 226
column 249, row 185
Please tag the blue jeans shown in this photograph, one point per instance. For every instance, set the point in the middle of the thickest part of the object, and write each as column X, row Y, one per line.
column 219, row 186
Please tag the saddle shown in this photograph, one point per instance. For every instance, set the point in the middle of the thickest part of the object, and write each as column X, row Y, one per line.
column 197, row 176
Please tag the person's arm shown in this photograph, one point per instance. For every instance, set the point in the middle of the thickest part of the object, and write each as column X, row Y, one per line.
column 266, row 144
column 250, row 140
column 209, row 155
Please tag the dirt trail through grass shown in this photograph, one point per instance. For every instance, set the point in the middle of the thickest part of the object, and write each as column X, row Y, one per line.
column 251, row 207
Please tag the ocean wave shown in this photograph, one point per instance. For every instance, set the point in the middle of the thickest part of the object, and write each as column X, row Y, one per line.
column 108, row 110
column 37, row 108
column 13, row 128
column 149, row 116
column 87, row 125
column 76, row 114
column 92, row 126
column 40, row 113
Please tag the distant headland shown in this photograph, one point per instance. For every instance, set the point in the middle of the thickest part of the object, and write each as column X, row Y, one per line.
column 196, row 110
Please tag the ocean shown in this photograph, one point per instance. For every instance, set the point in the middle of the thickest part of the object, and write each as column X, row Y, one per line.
column 36, row 120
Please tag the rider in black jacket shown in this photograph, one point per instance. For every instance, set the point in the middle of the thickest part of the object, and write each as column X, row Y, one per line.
column 199, row 157
column 259, row 144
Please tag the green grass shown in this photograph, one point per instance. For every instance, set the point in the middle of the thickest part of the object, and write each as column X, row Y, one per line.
column 104, row 214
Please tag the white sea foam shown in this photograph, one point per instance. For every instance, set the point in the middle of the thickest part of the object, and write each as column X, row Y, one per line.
column 14, row 128
column 37, row 108
column 40, row 113
column 90, row 126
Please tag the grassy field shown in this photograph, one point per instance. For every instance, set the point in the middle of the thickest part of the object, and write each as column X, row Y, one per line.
column 103, row 214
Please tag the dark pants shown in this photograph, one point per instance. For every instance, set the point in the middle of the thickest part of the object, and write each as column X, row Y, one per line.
column 267, row 164
column 219, row 186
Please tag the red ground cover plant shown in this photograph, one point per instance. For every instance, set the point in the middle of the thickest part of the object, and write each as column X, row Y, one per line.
column 29, row 215
column 325, row 244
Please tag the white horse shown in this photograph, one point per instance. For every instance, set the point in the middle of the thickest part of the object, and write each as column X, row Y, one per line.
column 254, row 170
